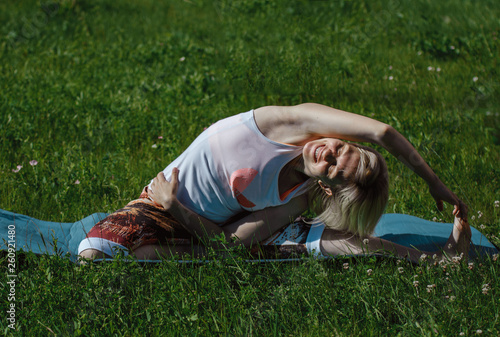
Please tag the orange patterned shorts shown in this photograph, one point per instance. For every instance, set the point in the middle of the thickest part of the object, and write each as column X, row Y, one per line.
column 141, row 222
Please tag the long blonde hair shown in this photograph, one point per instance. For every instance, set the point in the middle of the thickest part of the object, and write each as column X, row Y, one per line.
column 356, row 206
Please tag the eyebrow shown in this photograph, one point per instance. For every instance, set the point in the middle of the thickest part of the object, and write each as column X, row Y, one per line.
column 344, row 149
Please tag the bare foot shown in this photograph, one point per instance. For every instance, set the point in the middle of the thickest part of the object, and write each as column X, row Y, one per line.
column 459, row 242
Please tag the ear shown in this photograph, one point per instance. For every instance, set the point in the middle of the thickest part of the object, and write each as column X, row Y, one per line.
column 325, row 188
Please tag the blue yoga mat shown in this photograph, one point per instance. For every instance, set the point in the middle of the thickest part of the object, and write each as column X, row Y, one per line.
column 48, row 237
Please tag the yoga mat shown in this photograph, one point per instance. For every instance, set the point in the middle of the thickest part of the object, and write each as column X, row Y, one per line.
column 39, row 236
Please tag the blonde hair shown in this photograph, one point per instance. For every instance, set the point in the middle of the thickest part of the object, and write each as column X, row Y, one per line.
column 356, row 206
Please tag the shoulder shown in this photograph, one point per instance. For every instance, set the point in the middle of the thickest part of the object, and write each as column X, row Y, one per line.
column 283, row 124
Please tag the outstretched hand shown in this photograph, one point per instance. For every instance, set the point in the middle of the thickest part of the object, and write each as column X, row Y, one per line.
column 441, row 193
column 164, row 192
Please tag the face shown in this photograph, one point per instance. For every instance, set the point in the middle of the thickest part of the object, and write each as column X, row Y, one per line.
column 330, row 160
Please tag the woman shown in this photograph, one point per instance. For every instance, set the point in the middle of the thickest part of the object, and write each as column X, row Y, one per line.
column 247, row 175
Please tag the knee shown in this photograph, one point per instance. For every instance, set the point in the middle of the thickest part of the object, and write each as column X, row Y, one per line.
column 92, row 254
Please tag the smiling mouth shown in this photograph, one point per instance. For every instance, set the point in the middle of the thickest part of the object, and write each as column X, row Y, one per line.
column 316, row 153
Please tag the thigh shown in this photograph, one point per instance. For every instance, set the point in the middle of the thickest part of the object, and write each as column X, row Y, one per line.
column 141, row 223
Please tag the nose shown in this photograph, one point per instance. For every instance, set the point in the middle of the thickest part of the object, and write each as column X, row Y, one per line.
column 330, row 158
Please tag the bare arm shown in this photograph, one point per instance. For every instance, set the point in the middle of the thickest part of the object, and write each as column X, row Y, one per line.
column 309, row 121
column 305, row 122
column 401, row 148
column 251, row 229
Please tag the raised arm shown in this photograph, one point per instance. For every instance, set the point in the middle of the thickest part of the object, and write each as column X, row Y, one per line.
column 305, row 122
column 249, row 230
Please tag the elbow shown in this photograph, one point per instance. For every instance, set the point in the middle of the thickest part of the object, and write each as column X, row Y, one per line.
column 384, row 133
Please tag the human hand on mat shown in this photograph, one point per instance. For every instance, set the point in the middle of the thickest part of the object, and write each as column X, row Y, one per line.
column 441, row 193
column 164, row 192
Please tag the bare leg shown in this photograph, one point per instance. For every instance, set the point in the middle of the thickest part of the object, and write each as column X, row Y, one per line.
column 343, row 243
column 459, row 240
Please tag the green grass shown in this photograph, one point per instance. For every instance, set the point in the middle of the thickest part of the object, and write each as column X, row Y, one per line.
column 88, row 86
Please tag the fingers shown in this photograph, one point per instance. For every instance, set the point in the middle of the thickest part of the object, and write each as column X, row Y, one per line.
column 439, row 204
column 460, row 210
column 175, row 175
column 175, row 180
column 463, row 209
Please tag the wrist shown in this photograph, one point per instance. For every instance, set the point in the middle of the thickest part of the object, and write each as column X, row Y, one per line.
column 172, row 205
column 433, row 180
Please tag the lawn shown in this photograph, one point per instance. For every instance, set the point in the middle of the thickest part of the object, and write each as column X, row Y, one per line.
column 96, row 97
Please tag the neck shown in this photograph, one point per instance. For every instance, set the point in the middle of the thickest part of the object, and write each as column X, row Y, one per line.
column 297, row 164
column 295, row 169
column 292, row 175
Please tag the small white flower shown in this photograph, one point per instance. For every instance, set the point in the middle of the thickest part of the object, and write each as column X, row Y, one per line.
column 33, row 162
column 423, row 257
column 154, row 146
column 479, row 331
column 77, row 182
column 390, row 67
column 497, row 203
column 182, row 59
column 452, row 47
column 415, row 284
column 346, row 265
column 452, row 298
column 401, row 270
column 369, row 272
column 391, row 78
column 429, row 68
column 495, row 257
column 438, row 69
column 19, row 167
column 435, row 257
column 434, row 219
column 482, row 226
column 471, row 265
column 479, row 214
column 475, row 78
column 473, row 217
column 366, row 241
column 456, row 259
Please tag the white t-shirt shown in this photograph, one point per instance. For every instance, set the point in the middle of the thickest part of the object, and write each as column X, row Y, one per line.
column 232, row 167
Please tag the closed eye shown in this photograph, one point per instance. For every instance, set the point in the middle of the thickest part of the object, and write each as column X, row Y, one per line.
column 331, row 169
column 339, row 151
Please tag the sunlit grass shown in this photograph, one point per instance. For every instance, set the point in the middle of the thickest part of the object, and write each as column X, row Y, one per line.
column 87, row 88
